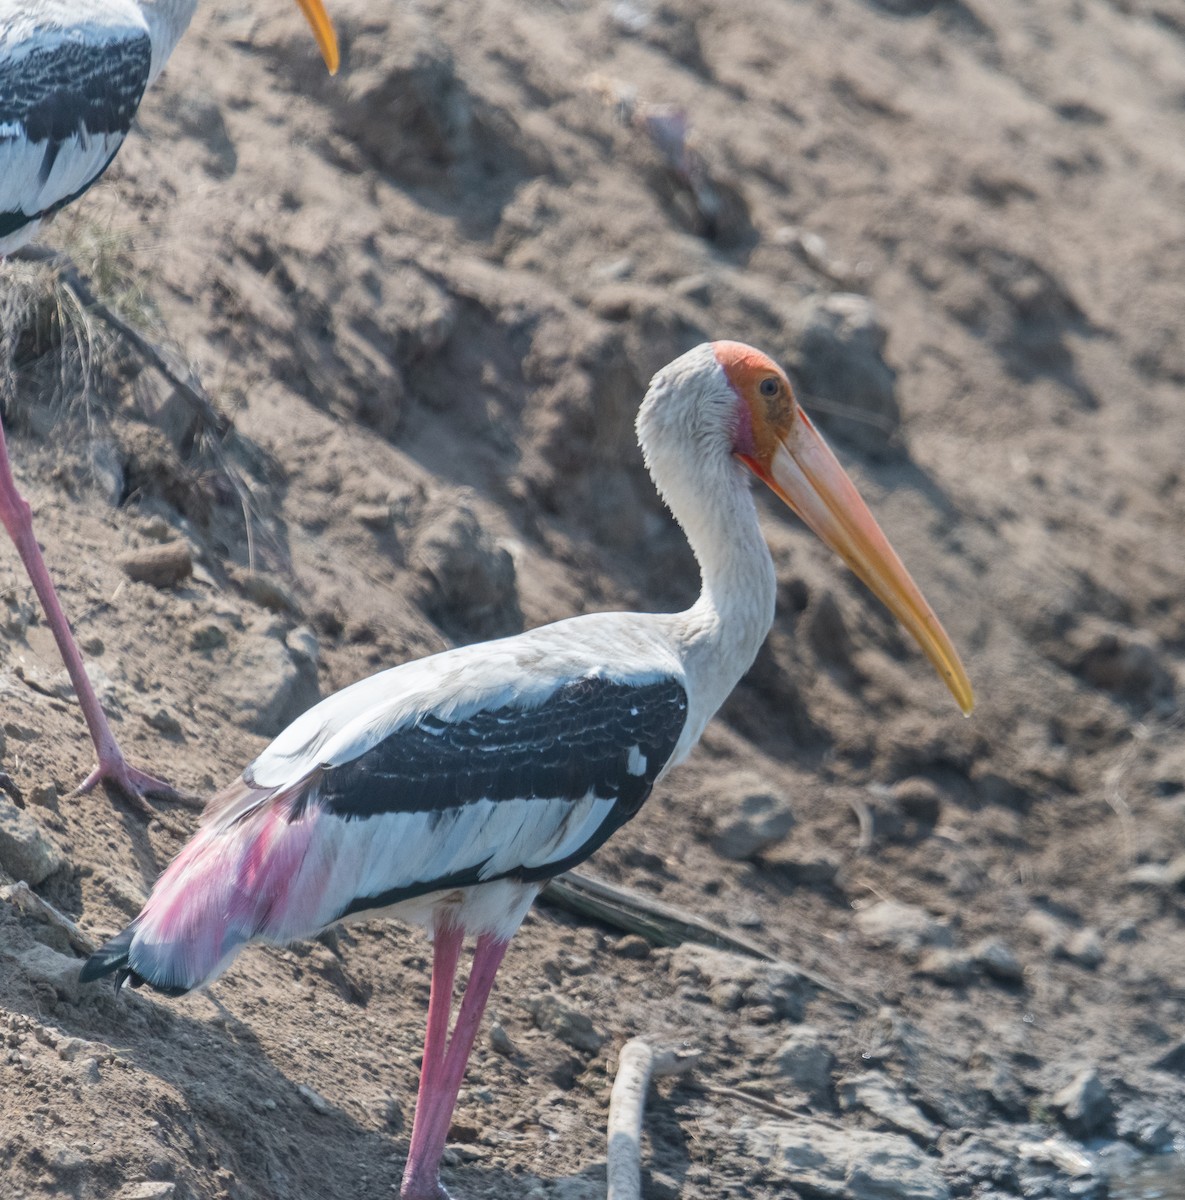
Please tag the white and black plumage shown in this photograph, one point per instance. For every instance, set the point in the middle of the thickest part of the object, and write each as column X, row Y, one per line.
column 448, row 789
column 72, row 73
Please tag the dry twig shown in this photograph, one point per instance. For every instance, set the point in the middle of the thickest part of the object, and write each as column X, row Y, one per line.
column 638, row 1064
column 664, row 925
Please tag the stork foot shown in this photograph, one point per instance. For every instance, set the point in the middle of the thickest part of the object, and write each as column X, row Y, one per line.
column 135, row 787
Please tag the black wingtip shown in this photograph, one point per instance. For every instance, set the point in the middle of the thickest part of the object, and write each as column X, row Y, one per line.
column 112, row 959
column 109, row 958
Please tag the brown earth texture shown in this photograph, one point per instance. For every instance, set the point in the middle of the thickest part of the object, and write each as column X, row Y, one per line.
column 428, row 294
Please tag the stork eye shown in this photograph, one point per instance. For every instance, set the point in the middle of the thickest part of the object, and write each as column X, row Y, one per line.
column 769, row 387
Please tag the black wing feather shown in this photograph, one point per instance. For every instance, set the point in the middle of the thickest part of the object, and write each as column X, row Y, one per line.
column 71, row 89
column 591, row 735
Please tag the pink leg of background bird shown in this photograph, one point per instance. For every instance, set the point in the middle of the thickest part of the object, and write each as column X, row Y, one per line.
column 113, row 768
column 443, row 1069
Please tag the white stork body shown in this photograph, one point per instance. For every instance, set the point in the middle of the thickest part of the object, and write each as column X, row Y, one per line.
column 449, row 789
column 72, row 73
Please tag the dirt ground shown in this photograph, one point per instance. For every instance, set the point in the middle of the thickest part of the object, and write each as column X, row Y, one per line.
column 430, row 293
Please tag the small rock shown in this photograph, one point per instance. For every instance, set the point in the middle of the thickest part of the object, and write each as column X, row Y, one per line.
column 567, row 1024
column 817, row 1159
column 107, row 471
column 93, row 646
column 1083, row 1105
column 1145, row 1124
column 816, row 871
column 468, row 584
column 734, row 981
column 1085, row 947
column 918, row 798
column 373, row 516
column 905, row 926
column 45, row 795
column 155, row 528
column 1159, row 875
column 827, row 631
column 500, row 1041
column 303, row 644
column 886, row 1101
column 1128, row 663
column 805, row 1061
column 761, row 820
column 59, row 971
column 161, row 566
column 148, row 1191
column 996, row 958
column 632, row 946
column 26, row 851
column 269, row 686
column 163, row 721
column 315, row 1099
column 952, row 967
column 840, row 355
column 207, row 634
column 1173, row 1060
column 267, row 592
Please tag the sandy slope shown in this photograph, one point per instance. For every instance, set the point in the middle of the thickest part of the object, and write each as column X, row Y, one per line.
column 431, row 293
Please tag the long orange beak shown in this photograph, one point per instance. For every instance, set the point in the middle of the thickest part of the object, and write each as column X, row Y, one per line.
column 808, row 477
column 323, row 31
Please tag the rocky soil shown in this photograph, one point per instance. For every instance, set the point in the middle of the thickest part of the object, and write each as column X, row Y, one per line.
column 429, row 294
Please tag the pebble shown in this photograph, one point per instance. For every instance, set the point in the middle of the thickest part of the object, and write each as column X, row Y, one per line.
column 632, row 946
column 500, row 1041
column 1083, row 1105
column 568, row 1024
column 818, row 1159
column 155, row 528
column 267, row 592
column 997, row 959
column 468, row 583
column 885, row 1100
column 315, row 1099
column 1085, row 947
column 954, row 968
column 906, row 926
column 761, row 820
column 1159, row 875
column 805, row 1061
column 148, row 1191
column 373, row 516
column 163, row 721
column 26, row 851
column 839, row 354
column 208, row 634
column 161, row 566
column 270, row 685
column 45, row 795
column 733, row 981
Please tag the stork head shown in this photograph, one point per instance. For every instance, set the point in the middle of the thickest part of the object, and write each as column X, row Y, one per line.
column 323, row 31
column 726, row 401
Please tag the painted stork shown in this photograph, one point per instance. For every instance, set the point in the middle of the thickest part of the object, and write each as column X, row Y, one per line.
column 447, row 791
column 72, row 73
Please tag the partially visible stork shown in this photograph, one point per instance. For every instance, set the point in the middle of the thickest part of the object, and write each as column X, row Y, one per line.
column 448, row 790
column 72, row 73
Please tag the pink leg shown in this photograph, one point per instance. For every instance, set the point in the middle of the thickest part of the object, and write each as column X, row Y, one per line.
column 17, row 518
column 434, row 1107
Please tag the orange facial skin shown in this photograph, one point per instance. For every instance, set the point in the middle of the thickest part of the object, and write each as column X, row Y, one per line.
column 776, row 440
